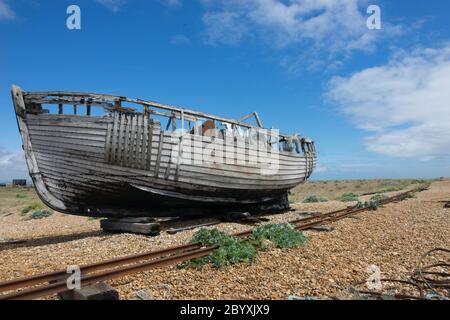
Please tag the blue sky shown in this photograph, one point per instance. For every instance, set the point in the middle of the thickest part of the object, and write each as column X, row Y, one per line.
column 375, row 101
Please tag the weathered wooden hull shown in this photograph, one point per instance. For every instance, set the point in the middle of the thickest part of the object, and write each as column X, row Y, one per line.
column 121, row 164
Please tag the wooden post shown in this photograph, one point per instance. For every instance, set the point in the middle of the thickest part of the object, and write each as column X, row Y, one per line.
column 131, row 226
column 158, row 159
column 88, row 109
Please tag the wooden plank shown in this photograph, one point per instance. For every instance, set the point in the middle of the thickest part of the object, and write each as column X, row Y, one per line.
column 129, row 142
column 132, row 143
column 205, row 199
column 73, row 143
column 202, row 225
column 108, row 146
column 240, row 180
column 158, row 160
column 78, row 188
column 126, row 147
column 74, row 133
column 72, row 153
column 322, row 228
column 167, row 172
column 115, row 138
column 148, row 150
column 137, row 141
column 150, row 229
column 180, row 153
column 121, row 140
column 68, row 121
column 78, row 138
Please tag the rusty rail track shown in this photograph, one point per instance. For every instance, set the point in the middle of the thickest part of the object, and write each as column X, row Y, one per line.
column 42, row 285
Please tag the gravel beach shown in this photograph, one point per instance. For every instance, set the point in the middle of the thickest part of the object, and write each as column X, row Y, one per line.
column 392, row 238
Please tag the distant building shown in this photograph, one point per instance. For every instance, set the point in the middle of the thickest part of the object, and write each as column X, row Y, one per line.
column 19, row 182
column 2, row 185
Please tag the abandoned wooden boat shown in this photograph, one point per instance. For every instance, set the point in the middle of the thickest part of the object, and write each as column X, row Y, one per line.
column 102, row 155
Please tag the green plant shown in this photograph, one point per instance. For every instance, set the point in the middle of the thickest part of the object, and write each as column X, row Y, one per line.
column 411, row 195
column 25, row 210
column 369, row 205
column 314, row 199
column 41, row 214
column 378, row 197
column 391, row 189
column 231, row 250
column 281, row 235
column 348, row 197
column 423, row 187
column 21, row 196
column 33, row 206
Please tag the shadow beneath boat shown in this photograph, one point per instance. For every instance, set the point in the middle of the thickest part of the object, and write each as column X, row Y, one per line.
column 182, row 224
column 38, row 242
column 170, row 226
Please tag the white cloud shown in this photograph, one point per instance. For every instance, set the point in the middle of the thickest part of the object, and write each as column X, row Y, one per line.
column 179, row 40
column 12, row 165
column 327, row 25
column 6, row 13
column 406, row 103
column 173, row 3
column 320, row 168
column 113, row 5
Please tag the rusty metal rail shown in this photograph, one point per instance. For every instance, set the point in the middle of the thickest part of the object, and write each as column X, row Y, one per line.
column 117, row 262
column 431, row 282
column 56, row 282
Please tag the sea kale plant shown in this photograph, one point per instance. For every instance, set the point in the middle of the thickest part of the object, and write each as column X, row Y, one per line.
column 231, row 250
column 348, row 197
column 314, row 199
